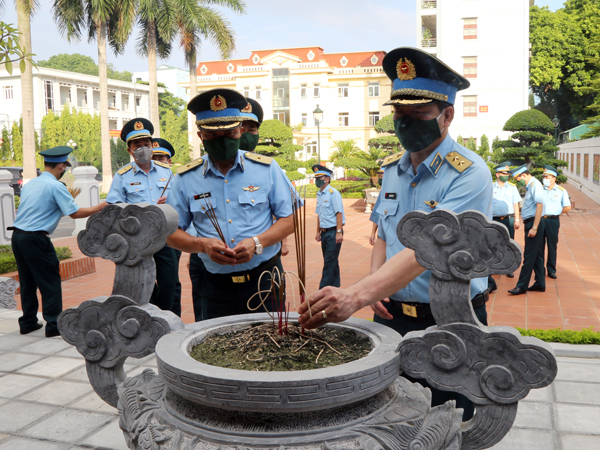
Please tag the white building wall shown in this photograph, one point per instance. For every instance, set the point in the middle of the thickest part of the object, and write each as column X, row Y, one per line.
column 169, row 76
column 588, row 180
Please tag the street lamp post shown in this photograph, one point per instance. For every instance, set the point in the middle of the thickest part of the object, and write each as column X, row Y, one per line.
column 318, row 116
column 556, row 123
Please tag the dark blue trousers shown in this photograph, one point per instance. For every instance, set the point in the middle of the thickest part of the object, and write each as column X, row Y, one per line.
column 167, row 276
column 533, row 258
column 508, row 222
column 331, row 253
column 197, row 274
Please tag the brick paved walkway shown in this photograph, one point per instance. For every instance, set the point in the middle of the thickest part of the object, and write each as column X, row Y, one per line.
column 572, row 301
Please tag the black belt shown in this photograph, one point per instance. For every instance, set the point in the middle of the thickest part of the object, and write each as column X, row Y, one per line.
column 420, row 310
column 503, row 217
column 528, row 220
column 19, row 231
column 323, row 230
column 247, row 275
column 550, row 217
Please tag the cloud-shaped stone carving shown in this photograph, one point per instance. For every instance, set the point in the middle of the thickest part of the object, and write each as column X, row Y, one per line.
column 126, row 233
column 497, row 365
column 8, row 287
column 459, row 246
column 106, row 330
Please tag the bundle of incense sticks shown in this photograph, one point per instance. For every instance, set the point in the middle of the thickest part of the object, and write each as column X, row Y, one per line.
column 299, row 213
column 212, row 215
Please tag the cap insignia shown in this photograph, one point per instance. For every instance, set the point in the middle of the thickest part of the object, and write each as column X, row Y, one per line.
column 406, row 70
column 218, row 103
column 247, row 109
column 431, row 203
column 155, row 145
column 138, row 126
column 251, row 188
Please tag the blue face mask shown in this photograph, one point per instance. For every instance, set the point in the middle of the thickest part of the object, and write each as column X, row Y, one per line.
column 415, row 134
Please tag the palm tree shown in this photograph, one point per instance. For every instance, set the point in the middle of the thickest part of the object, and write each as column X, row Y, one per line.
column 346, row 148
column 109, row 22
column 195, row 21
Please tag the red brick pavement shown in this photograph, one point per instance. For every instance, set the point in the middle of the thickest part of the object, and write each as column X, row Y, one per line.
column 572, row 301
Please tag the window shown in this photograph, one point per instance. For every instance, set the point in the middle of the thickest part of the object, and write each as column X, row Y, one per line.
column 586, row 165
column 373, row 88
column 303, row 91
column 470, row 106
column 316, row 90
column 344, row 119
column 49, row 95
column 311, row 149
column 373, row 118
column 470, row 66
column 304, row 119
column 343, row 90
column 114, row 101
column 8, row 92
column 572, row 163
column 596, row 169
column 138, row 101
column 470, row 28
column 578, row 166
column 246, row 91
column 138, row 79
column 258, row 92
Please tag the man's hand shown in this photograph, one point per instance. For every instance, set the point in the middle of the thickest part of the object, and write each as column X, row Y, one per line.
column 379, row 309
column 517, row 224
column 318, row 237
column 244, row 251
column 338, row 304
column 284, row 248
column 373, row 238
column 218, row 252
column 532, row 233
column 339, row 237
column 161, row 201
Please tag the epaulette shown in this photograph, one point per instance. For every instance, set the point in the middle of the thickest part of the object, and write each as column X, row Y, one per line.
column 560, row 187
column 458, row 161
column 258, row 158
column 330, row 191
column 125, row 169
column 190, row 166
column 392, row 159
column 162, row 164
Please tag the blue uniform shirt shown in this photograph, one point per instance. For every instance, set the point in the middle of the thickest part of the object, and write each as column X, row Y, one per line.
column 555, row 200
column 329, row 203
column 245, row 201
column 533, row 196
column 44, row 200
column 132, row 185
column 374, row 217
column 437, row 185
column 504, row 199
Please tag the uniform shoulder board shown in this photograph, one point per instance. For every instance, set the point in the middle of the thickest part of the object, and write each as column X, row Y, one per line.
column 458, row 161
column 560, row 187
column 392, row 159
column 125, row 169
column 162, row 164
column 330, row 191
column 190, row 166
column 258, row 158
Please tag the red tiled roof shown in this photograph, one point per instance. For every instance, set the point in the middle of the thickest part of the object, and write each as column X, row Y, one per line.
column 355, row 59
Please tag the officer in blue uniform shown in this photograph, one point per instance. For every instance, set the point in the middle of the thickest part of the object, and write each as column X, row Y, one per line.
column 374, row 217
column 144, row 180
column 505, row 207
column 556, row 202
column 533, row 259
column 434, row 172
column 245, row 191
column 253, row 117
column 44, row 200
column 330, row 222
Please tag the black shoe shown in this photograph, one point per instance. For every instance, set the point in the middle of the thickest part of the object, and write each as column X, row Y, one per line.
column 492, row 289
column 510, row 275
column 51, row 333
column 552, row 275
column 35, row 327
column 536, row 288
column 517, row 291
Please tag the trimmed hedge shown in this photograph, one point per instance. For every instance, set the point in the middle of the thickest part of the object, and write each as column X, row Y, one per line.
column 585, row 336
column 8, row 263
column 529, row 120
column 348, row 189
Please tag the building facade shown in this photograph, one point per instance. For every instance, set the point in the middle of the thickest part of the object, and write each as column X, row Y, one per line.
column 487, row 42
column 350, row 88
column 170, row 76
column 583, row 169
column 53, row 89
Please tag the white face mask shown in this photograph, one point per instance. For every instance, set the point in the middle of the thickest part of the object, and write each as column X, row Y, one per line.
column 546, row 182
column 142, row 155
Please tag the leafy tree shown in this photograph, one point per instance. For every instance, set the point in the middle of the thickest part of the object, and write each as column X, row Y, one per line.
column 168, row 102
column 6, row 147
column 119, row 154
column 344, row 149
column 367, row 163
column 497, row 151
column 389, row 143
column 471, row 145
column 460, row 140
column 176, row 132
column 484, row 148
column 11, row 50
column 593, row 88
column 17, row 143
column 79, row 63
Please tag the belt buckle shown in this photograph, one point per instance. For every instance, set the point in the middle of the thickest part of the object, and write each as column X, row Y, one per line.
column 409, row 310
column 239, row 279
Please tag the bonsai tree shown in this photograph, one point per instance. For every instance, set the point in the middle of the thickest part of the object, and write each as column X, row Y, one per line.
column 388, row 140
column 367, row 163
column 276, row 139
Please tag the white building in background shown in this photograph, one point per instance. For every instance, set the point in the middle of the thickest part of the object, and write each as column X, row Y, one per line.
column 170, row 76
column 487, row 42
column 53, row 89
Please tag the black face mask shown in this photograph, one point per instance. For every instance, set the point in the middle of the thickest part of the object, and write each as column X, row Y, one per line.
column 248, row 141
column 223, row 148
column 380, row 181
column 415, row 134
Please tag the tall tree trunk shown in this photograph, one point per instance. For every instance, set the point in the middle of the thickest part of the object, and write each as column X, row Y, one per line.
column 193, row 93
column 104, row 123
column 29, row 163
column 154, row 115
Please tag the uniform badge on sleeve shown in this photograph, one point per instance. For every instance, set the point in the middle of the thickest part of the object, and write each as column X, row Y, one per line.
column 251, row 188
column 431, row 203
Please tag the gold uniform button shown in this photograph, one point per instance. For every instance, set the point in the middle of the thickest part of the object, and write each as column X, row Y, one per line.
column 226, row 181
column 385, row 212
column 136, row 190
column 232, row 240
column 227, row 200
column 252, row 200
column 413, row 184
column 229, row 220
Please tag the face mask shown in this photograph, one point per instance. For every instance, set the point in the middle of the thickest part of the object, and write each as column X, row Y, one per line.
column 222, row 149
column 415, row 134
column 319, row 183
column 248, row 141
column 521, row 183
column 62, row 173
column 380, row 181
column 546, row 182
column 504, row 179
column 142, row 155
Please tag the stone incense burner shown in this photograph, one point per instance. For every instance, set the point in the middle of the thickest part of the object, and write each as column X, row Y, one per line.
column 364, row 404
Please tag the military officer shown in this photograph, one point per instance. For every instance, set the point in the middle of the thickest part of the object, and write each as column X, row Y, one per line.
column 253, row 117
column 244, row 191
column 556, row 202
column 44, row 200
column 330, row 222
column 434, row 172
column 505, row 207
column 533, row 259
column 145, row 180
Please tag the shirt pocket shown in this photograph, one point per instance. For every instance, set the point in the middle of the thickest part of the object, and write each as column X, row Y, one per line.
column 250, row 205
column 199, row 210
column 387, row 215
column 135, row 193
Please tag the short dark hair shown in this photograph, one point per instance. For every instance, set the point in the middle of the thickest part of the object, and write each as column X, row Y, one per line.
column 525, row 172
column 443, row 105
column 51, row 165
column 139, row 139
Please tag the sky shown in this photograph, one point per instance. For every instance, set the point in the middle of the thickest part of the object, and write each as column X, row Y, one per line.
column 334, row 25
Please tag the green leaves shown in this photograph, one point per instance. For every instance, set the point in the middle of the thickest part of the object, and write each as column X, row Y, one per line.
column 11, row 50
